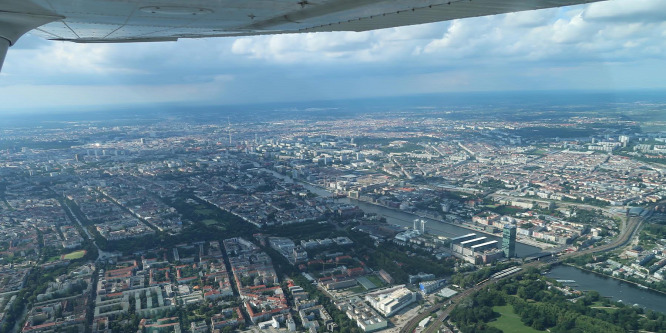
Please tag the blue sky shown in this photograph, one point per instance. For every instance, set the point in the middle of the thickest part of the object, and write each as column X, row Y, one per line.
column 610, row 45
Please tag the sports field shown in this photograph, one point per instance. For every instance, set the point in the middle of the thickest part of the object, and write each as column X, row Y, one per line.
column 74, row 255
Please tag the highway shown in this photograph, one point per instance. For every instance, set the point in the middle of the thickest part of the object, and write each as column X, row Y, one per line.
column 628, row 231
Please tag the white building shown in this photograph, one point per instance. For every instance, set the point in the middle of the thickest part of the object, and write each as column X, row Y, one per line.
column 390, row 301
column 366, row 318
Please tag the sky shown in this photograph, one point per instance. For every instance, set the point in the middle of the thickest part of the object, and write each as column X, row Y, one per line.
column 609, row 45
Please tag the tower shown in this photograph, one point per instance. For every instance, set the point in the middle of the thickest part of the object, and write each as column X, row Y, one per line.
column 229, row 128
column 423, row 222
column 509, row 240
column 416, row 221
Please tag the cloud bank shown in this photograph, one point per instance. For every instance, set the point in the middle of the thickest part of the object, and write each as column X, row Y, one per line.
column 616, row 44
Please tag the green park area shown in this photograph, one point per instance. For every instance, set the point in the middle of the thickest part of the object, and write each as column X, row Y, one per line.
column 74, row 255
column 509, row 321
column 603, row 306
column 207, row 214
column 204, row 212
column 209, row 222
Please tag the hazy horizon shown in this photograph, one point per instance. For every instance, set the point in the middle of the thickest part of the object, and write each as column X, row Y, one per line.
column 609, row 45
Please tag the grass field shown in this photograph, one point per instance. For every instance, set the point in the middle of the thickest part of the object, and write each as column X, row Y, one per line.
column 204, row 211
column 209, row 222
column 377, row 281
column 214, row 223
column 600, row 306
column 74, row 255
column 510, row 322
column 607, row 309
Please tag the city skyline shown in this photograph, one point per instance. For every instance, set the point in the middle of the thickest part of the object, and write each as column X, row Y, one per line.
column 495, row 174
column 361, row 221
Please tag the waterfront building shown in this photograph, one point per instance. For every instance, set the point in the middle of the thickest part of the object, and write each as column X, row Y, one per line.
column 509, row 241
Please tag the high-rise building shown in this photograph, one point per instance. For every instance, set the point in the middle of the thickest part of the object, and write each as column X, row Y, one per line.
column 624, row 140
column 509, row 241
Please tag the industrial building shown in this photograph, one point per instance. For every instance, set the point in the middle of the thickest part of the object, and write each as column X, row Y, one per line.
column 474, row 249
column 420, row 277
column 459, row 239
column 428, row 287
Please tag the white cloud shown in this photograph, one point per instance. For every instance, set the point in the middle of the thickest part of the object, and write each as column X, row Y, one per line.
column 573, row 47
column 531, row 18
column 643, row 10
column 559, row 34
column 295, row 48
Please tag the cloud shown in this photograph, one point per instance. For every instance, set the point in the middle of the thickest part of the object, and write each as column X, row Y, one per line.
column 557, row 35
column 532, row 18
column 578, row 33
column 627, row 11
column 591, row 46
column 294, row 48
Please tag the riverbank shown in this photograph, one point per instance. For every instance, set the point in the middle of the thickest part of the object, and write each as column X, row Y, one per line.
column 615, row 278
column 617, row 290
column 471, row 227
column 406, row 219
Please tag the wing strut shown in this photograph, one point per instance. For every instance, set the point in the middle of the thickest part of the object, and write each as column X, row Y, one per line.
column 13, row 25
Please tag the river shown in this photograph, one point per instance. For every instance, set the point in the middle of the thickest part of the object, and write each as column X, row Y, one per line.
column 435, row 227
column 629, row 293
column 404, row 219
column 617, row 290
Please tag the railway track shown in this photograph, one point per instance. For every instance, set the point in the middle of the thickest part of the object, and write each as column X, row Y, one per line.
column 629, row 231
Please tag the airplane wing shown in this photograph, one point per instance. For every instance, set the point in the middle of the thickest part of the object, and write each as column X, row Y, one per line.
column 108, row 21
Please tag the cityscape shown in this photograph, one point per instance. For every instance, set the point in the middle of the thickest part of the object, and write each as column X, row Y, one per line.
column 416, row 217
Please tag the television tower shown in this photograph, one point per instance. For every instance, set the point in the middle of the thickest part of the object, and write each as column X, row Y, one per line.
column 229, row 129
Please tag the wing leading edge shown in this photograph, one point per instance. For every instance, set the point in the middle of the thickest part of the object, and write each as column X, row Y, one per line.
column 108, row 21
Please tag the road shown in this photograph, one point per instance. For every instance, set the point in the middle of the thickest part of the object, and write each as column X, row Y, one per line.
column 71, row 214
column 100, row 254
column 629, row 230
